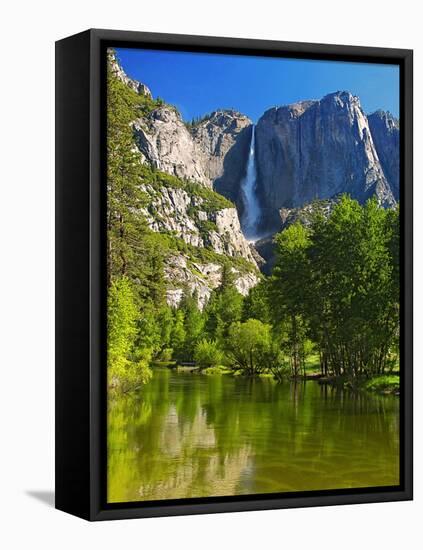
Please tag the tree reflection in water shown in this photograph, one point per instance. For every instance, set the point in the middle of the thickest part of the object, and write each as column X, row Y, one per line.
column 187, row 435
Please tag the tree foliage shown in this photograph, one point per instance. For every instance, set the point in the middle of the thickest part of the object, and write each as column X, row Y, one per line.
column 208, row 354
column 336, row 282
column 127, row 366
column 250, row 347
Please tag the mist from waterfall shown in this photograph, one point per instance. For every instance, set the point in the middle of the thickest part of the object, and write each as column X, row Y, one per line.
column 252, row 212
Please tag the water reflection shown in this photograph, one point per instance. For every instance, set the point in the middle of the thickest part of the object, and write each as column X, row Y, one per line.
column 187, row 435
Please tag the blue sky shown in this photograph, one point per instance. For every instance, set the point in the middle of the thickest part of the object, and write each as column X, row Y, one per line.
column 198, row 83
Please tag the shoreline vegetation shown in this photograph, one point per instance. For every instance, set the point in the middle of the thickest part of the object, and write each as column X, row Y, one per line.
column 384, row 384
column 328, row 311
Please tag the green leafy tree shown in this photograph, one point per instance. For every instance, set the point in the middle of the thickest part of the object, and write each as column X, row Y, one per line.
column 256, row 303
column 224, row 307
column 126, row 368
column 134, row 254
column 249, row 346
column 336, row 283
column 289, row 292
column 208, row 354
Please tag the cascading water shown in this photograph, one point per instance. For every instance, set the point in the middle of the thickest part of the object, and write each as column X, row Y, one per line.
column 252, row 212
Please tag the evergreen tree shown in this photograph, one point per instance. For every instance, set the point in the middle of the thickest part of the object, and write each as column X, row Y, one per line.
column 224, row 307
column 133, row 250
column 134, row 254
column 178, row 335
column 193, row 323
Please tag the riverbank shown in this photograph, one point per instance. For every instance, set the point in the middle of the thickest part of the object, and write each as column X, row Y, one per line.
column 386, row 384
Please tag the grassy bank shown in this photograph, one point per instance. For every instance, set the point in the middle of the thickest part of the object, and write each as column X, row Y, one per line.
column 385, row 384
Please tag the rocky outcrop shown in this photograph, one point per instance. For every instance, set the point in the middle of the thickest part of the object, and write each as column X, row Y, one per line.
column 182, row 214
column 212, row 152
column 316, row 150
column 224, row 138
column 265, row 248
column 167, row 211
column 385, row 131
column 228, row 238
column 166, row 143
column 183, row 275
column 305, row 214
column 117, row 70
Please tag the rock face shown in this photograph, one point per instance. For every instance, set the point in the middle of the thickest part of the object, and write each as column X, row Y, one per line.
column 316, row 150
column 305, row 213
column 385, row 131
column 176, row 211
column 167, row 144
column 138, row 87
column 201, row 278
column 212, row 152
column 167, row 210
column 224, row 138
column 228, row 238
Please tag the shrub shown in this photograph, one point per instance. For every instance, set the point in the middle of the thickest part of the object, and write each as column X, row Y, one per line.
column 208, row 354
column 165, row 355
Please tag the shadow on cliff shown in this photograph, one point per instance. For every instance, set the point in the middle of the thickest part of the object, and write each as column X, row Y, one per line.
column 234, row 169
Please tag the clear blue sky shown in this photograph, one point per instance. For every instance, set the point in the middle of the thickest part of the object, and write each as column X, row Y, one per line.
column 198, row 83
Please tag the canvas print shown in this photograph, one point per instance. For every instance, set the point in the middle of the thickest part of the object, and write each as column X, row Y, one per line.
column 253, row 282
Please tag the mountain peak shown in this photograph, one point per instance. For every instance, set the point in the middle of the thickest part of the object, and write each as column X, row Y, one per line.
column 222, row 117
column 342, row 99
column 318, row 149
column 384, row 117
column 118, row 71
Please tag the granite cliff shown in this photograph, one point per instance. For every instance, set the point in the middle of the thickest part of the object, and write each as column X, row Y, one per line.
column 182, row 164
column 224, row 137
column 306, row 151
column 385, row 131
column 317, row 150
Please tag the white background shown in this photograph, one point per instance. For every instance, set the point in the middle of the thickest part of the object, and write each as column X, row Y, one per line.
column 28, row 32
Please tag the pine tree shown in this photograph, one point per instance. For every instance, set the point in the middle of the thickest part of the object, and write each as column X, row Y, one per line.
column 178, row 335
column 224, row 307
column 193, row 323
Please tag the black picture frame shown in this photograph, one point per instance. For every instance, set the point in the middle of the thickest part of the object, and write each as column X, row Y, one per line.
column 81, row 272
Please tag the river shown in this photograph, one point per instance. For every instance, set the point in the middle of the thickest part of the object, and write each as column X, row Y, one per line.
column 191, row 435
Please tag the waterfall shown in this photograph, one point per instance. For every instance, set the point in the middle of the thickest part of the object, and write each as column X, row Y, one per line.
column 251, row 215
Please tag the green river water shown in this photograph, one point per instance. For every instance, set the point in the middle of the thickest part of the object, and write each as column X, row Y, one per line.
column 188, row 435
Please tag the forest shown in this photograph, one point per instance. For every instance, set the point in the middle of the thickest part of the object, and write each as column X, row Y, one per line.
column 329, row 309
